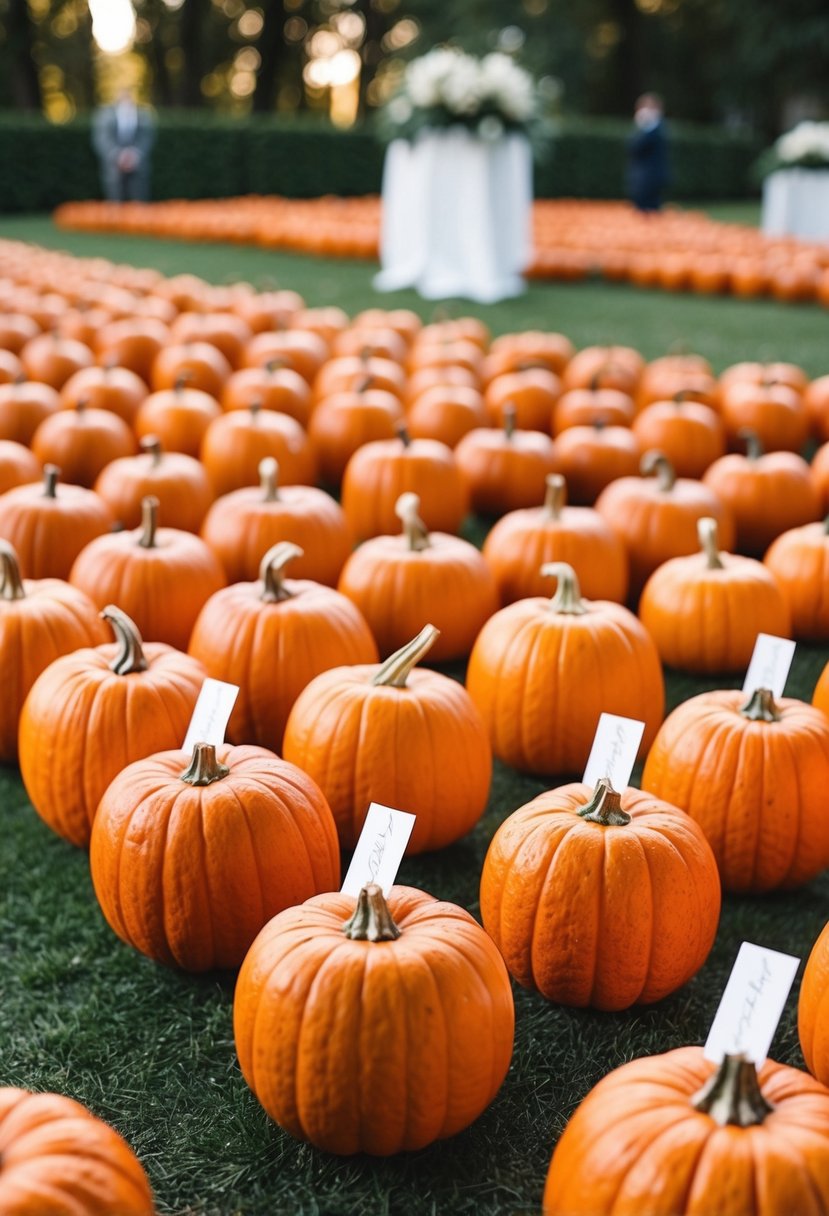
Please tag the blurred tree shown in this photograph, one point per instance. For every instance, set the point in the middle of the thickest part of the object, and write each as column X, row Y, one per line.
column 17, row 43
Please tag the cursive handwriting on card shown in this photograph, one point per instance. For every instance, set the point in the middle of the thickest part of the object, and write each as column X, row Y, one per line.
column 380, row 849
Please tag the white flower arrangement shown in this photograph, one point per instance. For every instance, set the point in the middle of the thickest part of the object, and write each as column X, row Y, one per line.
column 806, row 146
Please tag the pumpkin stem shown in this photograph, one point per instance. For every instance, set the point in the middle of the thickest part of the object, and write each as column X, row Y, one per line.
column 181, row 381
column 130, row 658
column 658, row 463
column 414, row 529
column 605, row 806
column 51, row 473
column 268, row 471
column 509, row 420
column 372, row 920
column 11, row 584
column 760, row 707
column 204, row 768
column 395, row 671
column 149, row 521
column 274, row 365
column 555, row 495
column 151, row 444
column 568, row 592
column 403, row 434
column 707, row 533
column 754, row 448
column 365, row 382
column 255, row 409
column 272, row 571
column 732, row 1094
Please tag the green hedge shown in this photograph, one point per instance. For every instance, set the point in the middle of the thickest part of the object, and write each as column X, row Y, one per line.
column 198, row 156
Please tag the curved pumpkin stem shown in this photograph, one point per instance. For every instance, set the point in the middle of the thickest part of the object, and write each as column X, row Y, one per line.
column 151, row 446
column 403, row 434
column 509, row 419
column 568, row 592
column 272, row 571
column 761, row 707
column 754, row 447
column 555, row 495
column 732, row 1094
column 395, row 671
column 51, row 473
column 708, row 539
column 372, row 921
column 149, row 521
column 130, row 658
column 658, row 463
column 11, row 584
column 414, row 529
column 204, row 767
column 268, row 471
column 605, row 806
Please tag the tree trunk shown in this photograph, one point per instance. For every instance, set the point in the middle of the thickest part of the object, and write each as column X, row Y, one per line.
column 25, row 81
column 273, row 51
column 193, row 14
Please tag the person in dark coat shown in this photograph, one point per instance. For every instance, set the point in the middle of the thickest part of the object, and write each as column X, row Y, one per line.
column 123, row 135
column 647, row 149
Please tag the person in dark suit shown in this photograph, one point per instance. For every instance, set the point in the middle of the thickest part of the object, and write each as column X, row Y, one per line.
column 647, row 149
column 123, row 136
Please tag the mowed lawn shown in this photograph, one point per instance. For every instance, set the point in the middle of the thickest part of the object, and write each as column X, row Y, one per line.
column 152, row 1051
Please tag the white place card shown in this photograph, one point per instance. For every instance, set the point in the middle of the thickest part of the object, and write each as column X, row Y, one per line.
column 614, row 750
column 379, row 850
column 770, row 663
column 211, row 714
column 751, row 1004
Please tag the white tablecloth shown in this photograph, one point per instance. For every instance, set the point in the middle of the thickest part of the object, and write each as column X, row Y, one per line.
column 457, row 215
column 796, row 203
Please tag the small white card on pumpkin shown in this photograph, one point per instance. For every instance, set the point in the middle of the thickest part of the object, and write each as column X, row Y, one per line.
column 379, row 850
column 770, row 663
column 211, row 714
column 751, row 1004
column 614, row 750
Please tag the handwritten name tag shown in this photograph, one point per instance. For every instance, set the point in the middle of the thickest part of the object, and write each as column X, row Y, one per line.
column 751, row 1004
column 770, row 663
column 614, row 750
column 211, row 714
column 379, row 850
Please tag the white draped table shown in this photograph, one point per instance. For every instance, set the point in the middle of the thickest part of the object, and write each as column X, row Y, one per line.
column 457, row 215
column 796, row 203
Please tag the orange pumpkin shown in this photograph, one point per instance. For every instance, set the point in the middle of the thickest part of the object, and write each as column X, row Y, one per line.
column 24, row 404
column 273, row 387
column 18, row 465
column 590, row 457
column 11, row 369
column 511, row 352
column 178, row 481
column 690, row 434
column 532, row 392
column 635, row 875
column 446, row 413
column 105, row 388
column 437, row 377
column 235, row 444
column 49, row 523
column 799, row 561
column 132, row 342
column 588, row 406
column 227, row 331
column 816, row 401
column 94, row 711
column 506, row 469
column 52, row 359
column 619, row 367
column 16, row 329
column 346, row 421
column 753, row 774
column 412, row 963
column 602, row 660
column 347, row 373
column 774, row 411
column 202, row 365
column 812, row 1026
column 82, row 441
column 191, row 856
column 271, row 638
column 178, row 416
column 381, row 341
column 300, row 349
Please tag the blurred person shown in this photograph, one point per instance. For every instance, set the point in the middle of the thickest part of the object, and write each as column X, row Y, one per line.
column 647, row 152
column 123, row 134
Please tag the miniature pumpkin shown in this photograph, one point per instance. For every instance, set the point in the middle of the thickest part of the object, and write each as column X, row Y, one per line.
column 774, row 411
column 273, row 387
column 201, row 364
column 24, row 404
column 112, row 388
column 345, row 421
column 191, row 855
column 18, row 465
column 753, row 774
column 505, row 469
column 445, row 412
column 178, row 481
column 619, row 367
column 590, row 457
column 300, row 349
column 82, row 441
column 812, row 1024
column 799, row 561
column 542, row 671
column 178, row 416
column 423, row 969
column 235, row 444
column 587, row 406
column 132, row 342
column 92, row 712
column 347, row 373
column 690, row 434
column 511, row 352
column 532, row 392
column 49, row 523
column 227, row 331
column 52, row 359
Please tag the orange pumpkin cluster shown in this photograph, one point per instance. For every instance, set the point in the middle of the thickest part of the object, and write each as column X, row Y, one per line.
column 675, row 250
column 160, row 445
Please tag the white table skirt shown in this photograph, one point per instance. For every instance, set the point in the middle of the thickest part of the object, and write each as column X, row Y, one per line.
column 796, row 203
column 457, row 215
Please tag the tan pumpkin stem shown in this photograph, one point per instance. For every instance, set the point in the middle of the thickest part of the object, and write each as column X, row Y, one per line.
column 761, row 707
column 414, row 529
column 708, row 539
column 182, row 380
column 732, row 1094
column 568, row 592
column 395, row 671
column 275, row 365
column 272, row 571
column 555, row 495
column 403, row 434
column 149, row 521
column 372, row 920
column 655, row 462
column 204, row 767
column 11, row 584
column 509, row 420
column 255, row 409
column 754, row 448
column 605, row 806
column 130, row 658
column 268, row 471
column 365, row 382
column 151, row 445
column 51, row 473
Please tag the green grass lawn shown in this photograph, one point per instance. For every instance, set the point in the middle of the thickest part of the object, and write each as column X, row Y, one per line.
column 151, row 1050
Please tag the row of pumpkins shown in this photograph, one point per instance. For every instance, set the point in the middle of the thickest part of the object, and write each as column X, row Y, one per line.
column 230, row 855
column 572, row 238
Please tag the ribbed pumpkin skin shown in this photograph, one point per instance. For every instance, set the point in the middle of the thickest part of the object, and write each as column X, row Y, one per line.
column 799, row 560
column 49, row 533
column 273, row 650
column 540, row 680
column 376, row 1047
column 422, row 749
column 636, row 1147
column 757, row 789
column 820, row 697
column 188, row 875
column 57, row 1159
column 813, row 1009
column 82, row 724
column 595, row 915
column 766, row 496
column 178, row 482
column 377, row 474
column 18, row 465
